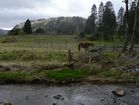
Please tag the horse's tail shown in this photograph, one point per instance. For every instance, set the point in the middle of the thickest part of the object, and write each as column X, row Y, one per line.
column 78, row 47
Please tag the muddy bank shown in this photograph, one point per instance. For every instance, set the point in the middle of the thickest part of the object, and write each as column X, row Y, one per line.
column 67, row 95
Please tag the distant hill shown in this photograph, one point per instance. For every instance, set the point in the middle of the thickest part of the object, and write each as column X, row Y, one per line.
column 59, row 25
column 3, row 32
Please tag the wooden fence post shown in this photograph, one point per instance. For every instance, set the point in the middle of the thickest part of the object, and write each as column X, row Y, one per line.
column 69, row 56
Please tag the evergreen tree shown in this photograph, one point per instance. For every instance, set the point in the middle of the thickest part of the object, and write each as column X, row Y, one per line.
column 100, row 17
column 27, row 27
column 90, row 27
column 39, row 31
column 109, row 21
column 120, row 18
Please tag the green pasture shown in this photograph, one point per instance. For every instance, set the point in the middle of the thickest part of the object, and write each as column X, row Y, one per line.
column 44, row 48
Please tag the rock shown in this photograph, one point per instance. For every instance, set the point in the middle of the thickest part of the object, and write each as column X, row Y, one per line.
column 102, row 100
column 133, row 91
column 119, row 92
column 46, row 96
column 137, row 84
column 7, row 103
column 54, row 104
column 62, row 98
column 57, row 97
column 27, row 98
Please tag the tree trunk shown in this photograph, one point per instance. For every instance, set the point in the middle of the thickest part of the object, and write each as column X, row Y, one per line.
column 127, row 35
column 134, row 30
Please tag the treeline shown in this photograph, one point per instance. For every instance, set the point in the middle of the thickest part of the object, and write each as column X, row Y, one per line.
column 27, row 29
column 51, row 26
column 104, row 24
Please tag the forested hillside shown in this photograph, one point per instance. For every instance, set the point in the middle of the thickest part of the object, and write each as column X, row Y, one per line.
column 60, row 25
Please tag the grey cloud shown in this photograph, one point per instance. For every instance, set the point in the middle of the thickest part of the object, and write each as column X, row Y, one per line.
column 16, row 11
column 21, row 3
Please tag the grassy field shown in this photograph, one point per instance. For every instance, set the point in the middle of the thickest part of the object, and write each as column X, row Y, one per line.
column 40, row 48
column 33, row 47
column 43, row 48
column 35, row 52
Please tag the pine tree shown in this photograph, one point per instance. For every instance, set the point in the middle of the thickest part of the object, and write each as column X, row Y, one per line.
column 90, row 27
column 100, row 18
column 109, row 21
column 120, row 23
column 27, row 27
column 120, row 16
column 94, row 17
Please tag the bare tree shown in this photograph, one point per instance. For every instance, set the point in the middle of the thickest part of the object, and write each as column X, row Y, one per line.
column 127, row 35
column 134, row 29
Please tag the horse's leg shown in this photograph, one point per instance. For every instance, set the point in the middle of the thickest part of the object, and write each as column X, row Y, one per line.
column 85, row 50
column 79, row 53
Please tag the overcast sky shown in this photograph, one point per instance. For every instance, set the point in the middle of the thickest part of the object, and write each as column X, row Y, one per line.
column 13, row 12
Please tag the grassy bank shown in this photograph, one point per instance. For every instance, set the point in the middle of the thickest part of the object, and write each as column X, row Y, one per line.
column 66, row 76
column 48, row 76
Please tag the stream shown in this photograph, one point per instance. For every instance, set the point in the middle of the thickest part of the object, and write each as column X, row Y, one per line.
column 68, row 95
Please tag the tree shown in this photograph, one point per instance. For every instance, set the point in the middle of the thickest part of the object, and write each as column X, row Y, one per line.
column 39, row 30
column 132, row 24
column 134, row 28
column 27, row 27
column 109, row 21
column 127, row 35
column 120, row 23
column 120, row 16
column 90, row 26
column 100, row 17
column 14, row 32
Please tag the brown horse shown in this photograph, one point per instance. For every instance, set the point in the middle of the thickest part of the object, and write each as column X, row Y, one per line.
column 85, row 45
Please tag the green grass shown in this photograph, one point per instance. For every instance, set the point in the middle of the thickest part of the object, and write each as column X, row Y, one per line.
column 112, row 74
column 12, row 76
column 50, row 42
column 66, row 74
column 57, row 75
column 37, row 49
column 49, row 48
column 26, row 55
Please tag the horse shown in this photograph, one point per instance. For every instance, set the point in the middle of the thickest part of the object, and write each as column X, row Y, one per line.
column 85, row 45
